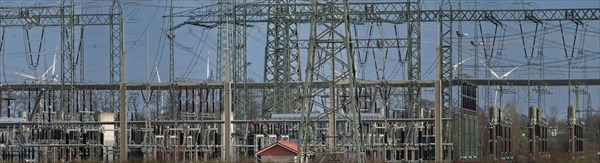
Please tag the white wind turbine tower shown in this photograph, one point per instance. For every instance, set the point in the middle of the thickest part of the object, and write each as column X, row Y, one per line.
column 208, row 71
column 499, row 77
column 52, row 79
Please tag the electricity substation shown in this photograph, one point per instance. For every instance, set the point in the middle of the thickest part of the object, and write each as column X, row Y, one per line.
column 341, row 81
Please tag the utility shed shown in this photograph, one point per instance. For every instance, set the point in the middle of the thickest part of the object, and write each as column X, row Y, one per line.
column 280, row 151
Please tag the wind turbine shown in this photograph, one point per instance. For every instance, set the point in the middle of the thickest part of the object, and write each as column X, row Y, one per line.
column 504, row 76
column 44, row 77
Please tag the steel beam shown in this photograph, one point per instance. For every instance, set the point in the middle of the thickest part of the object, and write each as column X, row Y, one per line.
column 48, row 16
column 387, row 12
column 191, row 122
column 316, row 84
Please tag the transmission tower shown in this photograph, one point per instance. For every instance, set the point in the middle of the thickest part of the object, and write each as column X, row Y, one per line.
column 330, row 34
column 282, row 58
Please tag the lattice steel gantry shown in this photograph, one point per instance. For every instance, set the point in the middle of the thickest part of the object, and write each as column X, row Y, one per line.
column 335, row 42
column 389, row 12
column 282, row 58
column 394, row 12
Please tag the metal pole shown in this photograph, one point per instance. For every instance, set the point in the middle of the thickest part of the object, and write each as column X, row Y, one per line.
column 227, row 126
column 438, row 111
column 123, row 143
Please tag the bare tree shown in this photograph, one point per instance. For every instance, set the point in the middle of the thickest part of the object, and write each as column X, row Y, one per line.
column 133, row 103
column 101, row 101
column 592, row 132
column 552, row 116
column 518, row 136
column 484, row 132
column 254, row 107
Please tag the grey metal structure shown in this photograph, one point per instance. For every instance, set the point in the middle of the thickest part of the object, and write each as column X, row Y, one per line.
column 208, row 120
column 282, row 56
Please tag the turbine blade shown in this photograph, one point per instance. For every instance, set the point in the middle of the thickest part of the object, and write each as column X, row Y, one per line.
column 459, row 63
column 489, row 69
column 45, row 74
column 208, row 66
column 157, row 74
column 494, row 73
column 54, row 61
column 27, row 76
column 496, row 97
column 463, row 61
column 511, row 70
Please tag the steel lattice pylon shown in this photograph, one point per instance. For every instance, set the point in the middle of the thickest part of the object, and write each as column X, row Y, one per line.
column 409, row 12
column 444, row 80
column 239, row 63
column 414, row 60
column 67, row 47
column 66, row 18
column 282, row 59
column 330, row 35
column 116, row 48
column 232, row 39
column 222, row 38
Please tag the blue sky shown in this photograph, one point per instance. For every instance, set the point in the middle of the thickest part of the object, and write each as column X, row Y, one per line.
column 144, row 19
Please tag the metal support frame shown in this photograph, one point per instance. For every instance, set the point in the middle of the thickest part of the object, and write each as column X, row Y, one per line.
column 238, row 59
column 67, row 58
column 315, row 84
column 222, row 38
column 387, row 12
column 330, row 35
column 116, row 46
column 65, row 17
column 282, row 58
column 334, row 19
column 444, row 78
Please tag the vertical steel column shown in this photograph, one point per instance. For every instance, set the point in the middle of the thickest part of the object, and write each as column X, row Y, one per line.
column 227, row 126
column 354, row 110
column 238, row 59
column 222, row 38
column 282, row 60
column 116, row 47
column 414, row 53
column 444, row 90
column 80, row 59
column 304, row 130
column 171, row 38
column 414, row 68
column 325, row 36
column 67, row 58
column 123, row 143
column 458, row 116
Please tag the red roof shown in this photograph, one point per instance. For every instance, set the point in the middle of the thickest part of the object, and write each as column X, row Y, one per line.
column 279, row 148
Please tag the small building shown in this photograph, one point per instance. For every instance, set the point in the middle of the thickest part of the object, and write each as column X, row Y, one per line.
column 280, row 151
